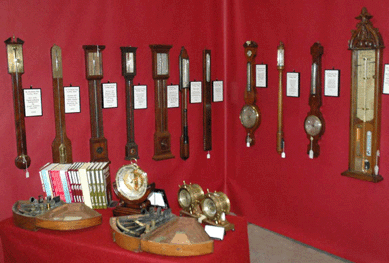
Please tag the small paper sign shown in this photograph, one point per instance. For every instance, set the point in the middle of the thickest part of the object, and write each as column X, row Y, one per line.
column 261, row 75
column 110, row 97
column 293, row 84
column 140, row 97
column 32, row 102
column 72, row 99
column 217, row 91
column 195, row 92
column 386, row 79
column 331, row 82
column 173, row 99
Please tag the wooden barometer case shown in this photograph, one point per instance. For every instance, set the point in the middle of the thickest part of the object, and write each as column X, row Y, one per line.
column 250, row 115
column 184, row 87
column 129, row 72
column 94, row 74
column 366, row 47
column 61, row 146
column 16, row 69
column 207, row 101
column 160, row 69
column 314, row 122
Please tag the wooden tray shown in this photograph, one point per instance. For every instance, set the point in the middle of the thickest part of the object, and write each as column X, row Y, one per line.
column 65, row 217
column 178, row 237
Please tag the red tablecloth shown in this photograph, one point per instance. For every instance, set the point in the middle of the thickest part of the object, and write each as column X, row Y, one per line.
column 95, row 244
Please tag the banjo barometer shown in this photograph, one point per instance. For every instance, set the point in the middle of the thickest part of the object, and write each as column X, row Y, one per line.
column 366, row 47
column 250, row 116
column 314, row 122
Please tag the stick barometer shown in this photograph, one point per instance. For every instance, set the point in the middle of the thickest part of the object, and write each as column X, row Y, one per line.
column 366, row 47
column 61, row 146
column 129, row 72
column 184, row 86
column 94, row 74
column 16, row 69
column 207, row 100
column 160, row 68
column 280, row 131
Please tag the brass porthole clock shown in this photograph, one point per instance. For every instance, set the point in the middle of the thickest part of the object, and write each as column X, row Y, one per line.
column 314, row 122
column 250, row 116
column 366, row 46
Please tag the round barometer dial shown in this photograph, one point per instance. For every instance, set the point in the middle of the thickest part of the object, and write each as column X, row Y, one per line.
column 131, row 181
column 249, row 116
column 313, row 125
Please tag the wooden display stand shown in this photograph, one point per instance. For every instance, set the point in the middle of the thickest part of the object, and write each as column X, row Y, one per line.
column 64, row 217
column 178, row 237
column 131, row 207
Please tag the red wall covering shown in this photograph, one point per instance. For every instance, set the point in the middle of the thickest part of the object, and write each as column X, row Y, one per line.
column 304, row 199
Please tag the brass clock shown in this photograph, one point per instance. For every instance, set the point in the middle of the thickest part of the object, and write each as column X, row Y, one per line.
column 366, row 46
column 314, row 122
column 250, row 116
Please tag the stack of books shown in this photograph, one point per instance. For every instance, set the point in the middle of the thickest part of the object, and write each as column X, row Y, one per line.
column 79, row 182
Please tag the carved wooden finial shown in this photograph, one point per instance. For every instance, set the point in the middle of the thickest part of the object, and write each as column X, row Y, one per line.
column 366, row 36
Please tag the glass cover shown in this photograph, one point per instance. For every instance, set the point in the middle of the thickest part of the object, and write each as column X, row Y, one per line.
column 162, row 64
column 130, row 62
column 184, row 198
column 209, row 207
column 365, row 84
column 15, row 58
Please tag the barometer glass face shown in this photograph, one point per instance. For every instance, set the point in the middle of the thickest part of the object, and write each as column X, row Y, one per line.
column 15, row 58
column 365, row 84
column 184, row 198
column 209, row 207
column 162, row 64
column 248, row 116
column 130, row 62
column 312, row 125
column 208, row 67
column 185, row 73
column 95, row 64
column 131, row 182
column 249, row 76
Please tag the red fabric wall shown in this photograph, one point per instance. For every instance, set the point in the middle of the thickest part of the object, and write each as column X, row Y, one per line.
column 305, row 199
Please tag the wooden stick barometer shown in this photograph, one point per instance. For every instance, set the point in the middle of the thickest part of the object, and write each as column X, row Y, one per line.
column 207, row 101
column 184, row 86
column 280, row 132
column 94, row 74
column 16, row 69
column 129, row 72
column 160, row 69
column 61, row 146
column 366, row 47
